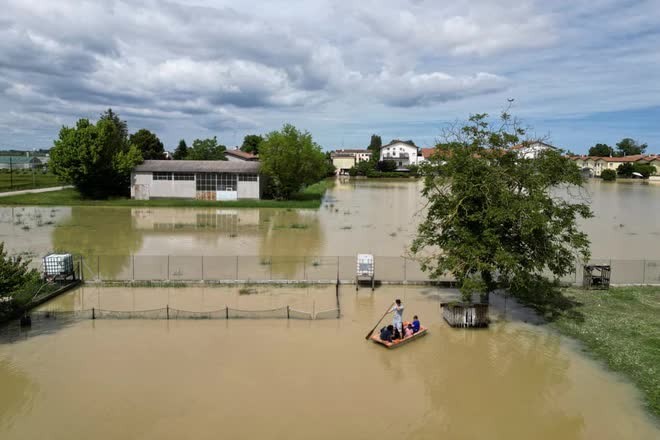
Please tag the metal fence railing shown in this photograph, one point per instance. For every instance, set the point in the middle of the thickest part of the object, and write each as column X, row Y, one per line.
column 322, row 269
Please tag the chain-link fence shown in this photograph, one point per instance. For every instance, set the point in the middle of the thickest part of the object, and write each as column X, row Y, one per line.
column 247, row 269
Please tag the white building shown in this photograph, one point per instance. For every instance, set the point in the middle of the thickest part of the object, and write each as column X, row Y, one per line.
column 531, row 150
column 404, row 153
column 344, row 160
column 197, row 179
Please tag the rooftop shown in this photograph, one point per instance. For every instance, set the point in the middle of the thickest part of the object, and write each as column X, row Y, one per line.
column 397, row 141
column 242, row 155
column 199, row 166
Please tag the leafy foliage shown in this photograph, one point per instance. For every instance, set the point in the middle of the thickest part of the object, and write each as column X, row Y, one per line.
column 608, row 175
column 600, row 150
column 630, row 147
column 181, row 151
column 386, row 166
column 251, row 143
column 291, row 159
column 96, row 159
column 148, row 144
column 627, row 169
column 206, row 149
column 491, row 219
column 15, row 276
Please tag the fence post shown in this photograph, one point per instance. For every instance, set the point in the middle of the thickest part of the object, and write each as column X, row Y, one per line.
column 226, row 312
column 168, row 268
column 287, row 312
column 98, row 268
column 168, row 311
column 236, row 268
column 304, row 268
column 644, row 272
column 93, row 313
column 82, row 268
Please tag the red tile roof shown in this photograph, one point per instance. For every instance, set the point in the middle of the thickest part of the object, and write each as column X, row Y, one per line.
column 427, row 152
column 242, row 154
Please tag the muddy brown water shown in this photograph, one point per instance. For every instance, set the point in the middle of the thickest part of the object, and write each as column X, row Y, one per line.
column 378, row 217
column 286, row 379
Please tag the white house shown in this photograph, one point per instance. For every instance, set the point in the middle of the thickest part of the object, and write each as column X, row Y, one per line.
column 197, row 179
column 531, row 150
column 403, row 153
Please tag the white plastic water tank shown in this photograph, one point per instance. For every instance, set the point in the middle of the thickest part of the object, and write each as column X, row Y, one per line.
column 58, row 264
column 365, row 265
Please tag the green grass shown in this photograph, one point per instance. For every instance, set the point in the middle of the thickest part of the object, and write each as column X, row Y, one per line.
column 309, row 198
column 20, row 180
column 620, row 326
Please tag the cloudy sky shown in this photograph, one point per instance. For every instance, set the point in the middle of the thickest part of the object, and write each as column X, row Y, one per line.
column 581, row 71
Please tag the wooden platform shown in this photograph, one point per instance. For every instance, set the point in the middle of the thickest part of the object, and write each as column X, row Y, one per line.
column 398, row 342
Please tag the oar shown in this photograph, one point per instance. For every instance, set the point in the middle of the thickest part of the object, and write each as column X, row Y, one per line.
column 384, row 315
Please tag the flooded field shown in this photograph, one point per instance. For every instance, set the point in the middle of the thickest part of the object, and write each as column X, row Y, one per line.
column 289, row 379
column 379, row 217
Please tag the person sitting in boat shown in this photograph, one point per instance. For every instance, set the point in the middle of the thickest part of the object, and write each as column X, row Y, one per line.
column 397, row 320
column 387, row 333
column 415, row 324
column 408, row 330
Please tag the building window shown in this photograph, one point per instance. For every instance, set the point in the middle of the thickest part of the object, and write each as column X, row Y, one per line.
column 184, row 176
column 159, row 175
column 206, row 182
column 247, row 177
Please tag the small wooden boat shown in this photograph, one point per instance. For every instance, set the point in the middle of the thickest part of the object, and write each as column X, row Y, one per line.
column 398, row 342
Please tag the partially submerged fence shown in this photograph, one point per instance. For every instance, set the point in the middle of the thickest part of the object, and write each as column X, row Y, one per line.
column 282, row 269
column 168, row 313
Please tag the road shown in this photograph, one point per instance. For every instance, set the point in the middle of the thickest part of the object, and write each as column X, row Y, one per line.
column 39, row 190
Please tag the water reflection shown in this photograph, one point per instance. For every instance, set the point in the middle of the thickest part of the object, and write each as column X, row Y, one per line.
column 18, row 392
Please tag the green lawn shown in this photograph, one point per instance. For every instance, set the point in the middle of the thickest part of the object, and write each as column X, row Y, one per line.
column 309, row 198
column 620, row 326
column 19, row 180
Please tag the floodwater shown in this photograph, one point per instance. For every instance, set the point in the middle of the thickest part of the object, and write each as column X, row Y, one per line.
column 287, row 379
column 357, row 216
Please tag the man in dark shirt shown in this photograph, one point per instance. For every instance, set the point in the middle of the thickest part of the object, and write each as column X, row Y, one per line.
column 386, row 333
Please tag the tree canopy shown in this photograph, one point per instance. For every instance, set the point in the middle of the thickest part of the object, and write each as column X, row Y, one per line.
column 630, row 147
column 149, row 145
column 15, row 275
column 251, row 143
column 95, row 158
column 291, row 159
column 601, row 150
column 206, row 149
column 491, row 219
column 181, row 151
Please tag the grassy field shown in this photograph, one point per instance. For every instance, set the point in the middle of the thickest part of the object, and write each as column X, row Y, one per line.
column 309, row 198
column 20, row 180
column 620, row 326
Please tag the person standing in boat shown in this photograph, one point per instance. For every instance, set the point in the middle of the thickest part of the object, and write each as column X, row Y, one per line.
column 397, row 320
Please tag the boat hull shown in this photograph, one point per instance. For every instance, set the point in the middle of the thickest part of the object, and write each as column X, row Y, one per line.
column 399, row 342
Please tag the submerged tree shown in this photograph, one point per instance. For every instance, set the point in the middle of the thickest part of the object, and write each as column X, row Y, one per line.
column 291, row 159
column 492, row 220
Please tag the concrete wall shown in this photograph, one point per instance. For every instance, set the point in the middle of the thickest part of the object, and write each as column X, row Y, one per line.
column 344, row 163
column 248, row 190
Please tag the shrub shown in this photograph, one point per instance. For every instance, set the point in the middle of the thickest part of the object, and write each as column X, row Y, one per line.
column 608, row 175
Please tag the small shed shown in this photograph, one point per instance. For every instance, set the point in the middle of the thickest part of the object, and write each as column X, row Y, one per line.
column 596, row 276
column 365, row 270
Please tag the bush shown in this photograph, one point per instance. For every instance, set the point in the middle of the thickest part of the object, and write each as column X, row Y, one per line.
column 386, row 166
column 608, row 175
column 353, row 172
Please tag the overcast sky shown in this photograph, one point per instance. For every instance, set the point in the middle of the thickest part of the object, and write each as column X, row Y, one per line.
column 581, row 71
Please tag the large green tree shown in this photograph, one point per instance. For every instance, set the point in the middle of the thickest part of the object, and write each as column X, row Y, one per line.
column 492, row 219
column 630, row 147
column 181, row 151
column 291, row 159
column 95, row 158
column 148, row 143
column 601, row 150
column 251, row 143
column 15, row 277
column 206, row 149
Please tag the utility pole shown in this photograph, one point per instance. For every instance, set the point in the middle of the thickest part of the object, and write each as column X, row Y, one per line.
column 34, row 183
column 11, row 175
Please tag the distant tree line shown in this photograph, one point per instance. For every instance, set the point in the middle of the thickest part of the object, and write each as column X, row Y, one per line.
column 626, row 147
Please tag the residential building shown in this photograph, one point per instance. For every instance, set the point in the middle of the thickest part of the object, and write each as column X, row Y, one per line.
column 531, row 150
column 238, row 155
column 425, row 154
column 344, row 160
column 197, row 179
column 594, row 165
column 403, row 153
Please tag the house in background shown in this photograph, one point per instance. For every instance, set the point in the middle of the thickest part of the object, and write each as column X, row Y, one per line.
column 19, row 162
column 344, row 160
column 197, row 179
column 531, row 150
column 403, row 153
column 238, row 155
column 594, row 165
